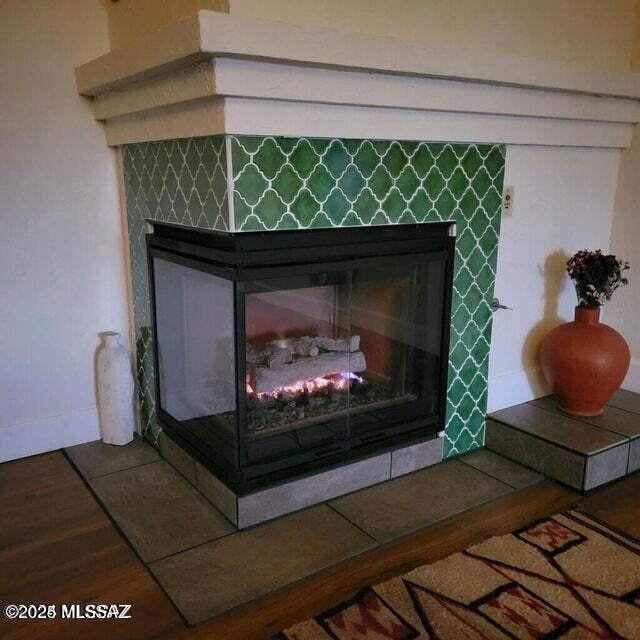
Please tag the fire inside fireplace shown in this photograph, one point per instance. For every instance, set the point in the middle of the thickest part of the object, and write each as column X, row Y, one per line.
column 282, row 352
column 291, row 381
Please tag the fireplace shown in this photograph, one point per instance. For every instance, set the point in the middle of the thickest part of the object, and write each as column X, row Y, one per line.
column 280, row 354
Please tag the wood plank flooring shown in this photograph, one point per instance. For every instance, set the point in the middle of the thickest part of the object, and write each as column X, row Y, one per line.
column 58, row 546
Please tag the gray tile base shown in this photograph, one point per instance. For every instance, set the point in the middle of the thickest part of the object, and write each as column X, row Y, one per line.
column 507, row 471
column 95, row 459
column 290, row 496
column 627, row 400
column 404, row 505
column 621, row 416
column 554, row 462
column 304, row 492
column 416, row 457
column 218, row 576
column 606, row 467
column 583, row 453
column 158, row 510
column 208, row 567
column 613, row 419
column 558, row 429
column 634, row 456
column 178, row 458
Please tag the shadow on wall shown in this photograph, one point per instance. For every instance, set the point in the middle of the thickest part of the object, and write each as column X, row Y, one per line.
column 555, row 279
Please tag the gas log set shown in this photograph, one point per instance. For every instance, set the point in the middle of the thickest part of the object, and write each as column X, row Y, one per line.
column 286, row 365
column 304, row 379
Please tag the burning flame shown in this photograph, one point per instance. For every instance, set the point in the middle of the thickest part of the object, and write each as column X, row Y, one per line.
column 339, row 381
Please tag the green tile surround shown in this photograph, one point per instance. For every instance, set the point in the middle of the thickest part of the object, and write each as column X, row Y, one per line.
column 298, row 183
column 179, row 181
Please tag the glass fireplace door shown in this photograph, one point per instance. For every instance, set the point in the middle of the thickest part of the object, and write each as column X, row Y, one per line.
column 299, row 364
column 194, row 321
column 342, row 359
column 397, row 310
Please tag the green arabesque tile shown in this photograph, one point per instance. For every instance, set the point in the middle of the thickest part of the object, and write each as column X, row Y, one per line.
column 373, row 182
column 303, row 158
column 366, row 159
column 178, row 181
column 287, row 184
column 299, row 183
column 320, row 183
column 269, row 159
column 336, row 158
column 251, row 184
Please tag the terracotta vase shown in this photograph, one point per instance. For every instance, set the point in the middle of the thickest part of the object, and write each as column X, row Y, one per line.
column 584, row 362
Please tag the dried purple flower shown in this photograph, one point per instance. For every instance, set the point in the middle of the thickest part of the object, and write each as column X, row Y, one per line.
column 596, row 276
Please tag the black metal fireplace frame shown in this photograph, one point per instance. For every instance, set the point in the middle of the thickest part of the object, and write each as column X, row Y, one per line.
column 243, row 257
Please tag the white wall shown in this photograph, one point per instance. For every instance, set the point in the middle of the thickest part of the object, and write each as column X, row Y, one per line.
column 625, row 242
column 130, row 19
column 593, row 33
column 563, row 202
column 624, row 309
column 61, row 248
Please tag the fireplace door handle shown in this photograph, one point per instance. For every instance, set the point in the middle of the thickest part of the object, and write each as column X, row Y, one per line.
column 495, row 305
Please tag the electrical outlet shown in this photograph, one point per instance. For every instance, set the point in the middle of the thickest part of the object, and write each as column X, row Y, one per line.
column 507, row 202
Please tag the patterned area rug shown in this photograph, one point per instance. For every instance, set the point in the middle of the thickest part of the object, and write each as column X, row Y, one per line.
column 567, row 576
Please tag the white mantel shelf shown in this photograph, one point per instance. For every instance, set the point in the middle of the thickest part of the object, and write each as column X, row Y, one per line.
column 215, row 73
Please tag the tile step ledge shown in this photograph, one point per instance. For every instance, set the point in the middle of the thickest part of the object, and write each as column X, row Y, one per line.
column 583, row 453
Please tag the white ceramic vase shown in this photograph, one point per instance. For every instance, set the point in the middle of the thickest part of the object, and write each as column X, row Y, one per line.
column 115, row 390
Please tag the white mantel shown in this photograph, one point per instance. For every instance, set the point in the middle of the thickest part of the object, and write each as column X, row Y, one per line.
column 214, row 73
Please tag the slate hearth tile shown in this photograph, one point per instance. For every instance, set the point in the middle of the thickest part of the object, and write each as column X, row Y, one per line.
column 561, row 430
column 217, row 493
column 415, row 457
column 505, row 470
column 178, row 458
column 414, row 501
column 607, row 466
column 634, row 456
column 304, row 492
column 215, row 577
column 159, row 511
column 613, row 419
column 545, row 457
column 95, row 459
column 627, row 400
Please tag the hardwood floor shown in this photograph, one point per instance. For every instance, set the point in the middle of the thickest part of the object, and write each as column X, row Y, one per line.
column 58, row 546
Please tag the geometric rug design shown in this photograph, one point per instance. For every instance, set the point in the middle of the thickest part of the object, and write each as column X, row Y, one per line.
column 567, row 576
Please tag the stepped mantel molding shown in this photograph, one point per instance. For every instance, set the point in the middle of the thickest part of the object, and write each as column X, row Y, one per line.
column 215, row 73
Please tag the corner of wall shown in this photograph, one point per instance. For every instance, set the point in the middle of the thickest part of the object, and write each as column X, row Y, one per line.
column 130, row 19
column 229, row 173
column 635, row 54
column 632, row 381
column 625, row 242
